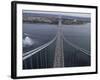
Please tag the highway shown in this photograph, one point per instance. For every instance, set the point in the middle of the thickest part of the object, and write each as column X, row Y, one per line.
column 59, row 54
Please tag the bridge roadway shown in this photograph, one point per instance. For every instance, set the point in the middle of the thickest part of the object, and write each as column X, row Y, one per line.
column 59, row 54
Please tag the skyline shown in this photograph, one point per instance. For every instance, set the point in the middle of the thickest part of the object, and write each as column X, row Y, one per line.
column 84, row 15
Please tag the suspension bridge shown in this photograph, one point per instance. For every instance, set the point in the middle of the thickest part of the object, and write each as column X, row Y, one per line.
column 34, row 56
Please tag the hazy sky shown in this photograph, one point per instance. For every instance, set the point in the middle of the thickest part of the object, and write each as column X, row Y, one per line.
column 60, row 13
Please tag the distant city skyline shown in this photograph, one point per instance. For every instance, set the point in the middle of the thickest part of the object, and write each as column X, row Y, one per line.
column 88, row 15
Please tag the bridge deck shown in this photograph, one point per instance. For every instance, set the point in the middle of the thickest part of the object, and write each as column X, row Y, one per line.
column 59, row 55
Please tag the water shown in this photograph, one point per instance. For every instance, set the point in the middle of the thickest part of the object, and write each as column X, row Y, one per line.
column 43, row 33
column 40, row 33
column 78, row 34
